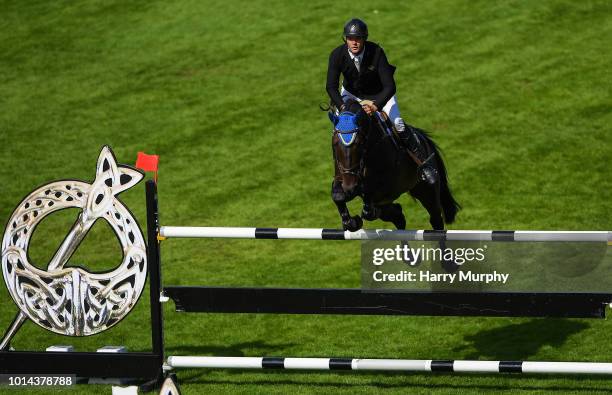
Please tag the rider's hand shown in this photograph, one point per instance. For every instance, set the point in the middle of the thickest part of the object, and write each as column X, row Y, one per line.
column 370, row 108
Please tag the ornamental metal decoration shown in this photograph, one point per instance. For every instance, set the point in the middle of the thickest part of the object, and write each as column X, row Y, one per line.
column 70, row 300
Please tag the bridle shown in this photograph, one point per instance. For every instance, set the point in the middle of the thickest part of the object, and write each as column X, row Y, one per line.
column 351, row 170
column 356, row 170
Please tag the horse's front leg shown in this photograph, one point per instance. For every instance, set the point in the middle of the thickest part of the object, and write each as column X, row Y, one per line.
column 370, row 211
column 351, row 223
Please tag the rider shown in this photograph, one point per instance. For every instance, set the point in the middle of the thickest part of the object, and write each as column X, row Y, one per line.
column 368, row 75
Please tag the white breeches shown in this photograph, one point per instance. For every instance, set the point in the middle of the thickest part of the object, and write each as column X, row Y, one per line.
column 391, row 108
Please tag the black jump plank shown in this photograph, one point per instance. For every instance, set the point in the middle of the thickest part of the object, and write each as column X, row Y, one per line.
column 354, row 301
column 81, row 364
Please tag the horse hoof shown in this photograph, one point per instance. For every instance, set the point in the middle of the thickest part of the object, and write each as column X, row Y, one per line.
column 370, row 215
column 353, row 225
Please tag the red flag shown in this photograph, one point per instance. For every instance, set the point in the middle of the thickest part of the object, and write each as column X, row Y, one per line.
column 147, row 162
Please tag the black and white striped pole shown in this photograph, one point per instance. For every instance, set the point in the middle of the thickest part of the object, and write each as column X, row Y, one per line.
column 384, row 234
column 402, row 365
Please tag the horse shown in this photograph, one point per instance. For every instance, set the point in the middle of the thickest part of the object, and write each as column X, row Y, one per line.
column 369, row 162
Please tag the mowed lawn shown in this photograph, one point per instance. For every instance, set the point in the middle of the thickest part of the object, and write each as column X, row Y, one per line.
column 517, row 94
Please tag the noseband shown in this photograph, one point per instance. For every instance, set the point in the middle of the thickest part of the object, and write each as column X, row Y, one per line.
column 356, row 171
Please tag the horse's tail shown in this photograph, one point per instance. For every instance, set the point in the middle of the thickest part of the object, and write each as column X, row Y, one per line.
column 450, row 207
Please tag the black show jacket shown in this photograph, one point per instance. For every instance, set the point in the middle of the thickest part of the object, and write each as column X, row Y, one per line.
column 374, row 81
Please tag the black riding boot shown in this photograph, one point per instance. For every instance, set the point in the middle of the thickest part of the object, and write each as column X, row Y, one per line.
column 411, row 141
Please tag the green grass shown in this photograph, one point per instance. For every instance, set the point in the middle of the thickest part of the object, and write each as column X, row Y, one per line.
column 518, row 95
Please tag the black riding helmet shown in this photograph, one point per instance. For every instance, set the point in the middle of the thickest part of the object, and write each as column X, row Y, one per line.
column 356, row 28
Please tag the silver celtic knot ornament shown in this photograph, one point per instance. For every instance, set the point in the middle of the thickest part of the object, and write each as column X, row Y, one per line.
column 70, row 300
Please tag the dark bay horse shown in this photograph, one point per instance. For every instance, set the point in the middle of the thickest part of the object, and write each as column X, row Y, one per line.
column 369, row 164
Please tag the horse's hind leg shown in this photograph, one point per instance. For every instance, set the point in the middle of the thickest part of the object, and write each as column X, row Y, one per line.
column 429, row 196
column 393, row 213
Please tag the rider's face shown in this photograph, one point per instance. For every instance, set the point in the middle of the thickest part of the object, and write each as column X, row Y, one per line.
column 355, row 44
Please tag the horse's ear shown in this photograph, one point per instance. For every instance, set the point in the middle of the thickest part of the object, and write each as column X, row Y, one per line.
column 332, row 117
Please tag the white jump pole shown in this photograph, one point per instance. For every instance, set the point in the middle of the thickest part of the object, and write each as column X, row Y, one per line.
column 404, row 365
column 384, row 234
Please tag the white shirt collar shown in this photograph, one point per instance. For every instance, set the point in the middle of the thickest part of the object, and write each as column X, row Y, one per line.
column 360, row 56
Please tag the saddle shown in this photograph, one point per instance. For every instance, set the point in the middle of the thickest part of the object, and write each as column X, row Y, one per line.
column 389, row 128
column 386, row 125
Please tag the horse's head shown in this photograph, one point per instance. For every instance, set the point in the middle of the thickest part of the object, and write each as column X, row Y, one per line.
column 348, row 143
